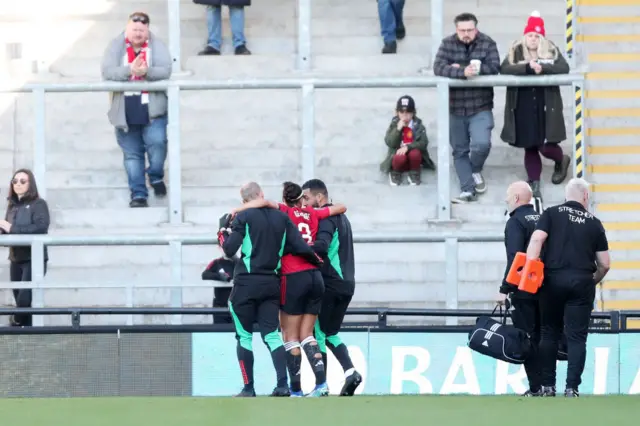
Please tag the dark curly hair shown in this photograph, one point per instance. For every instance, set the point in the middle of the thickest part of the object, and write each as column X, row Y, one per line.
column 291, row 193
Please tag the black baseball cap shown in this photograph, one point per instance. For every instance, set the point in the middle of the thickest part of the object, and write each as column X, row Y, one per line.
column 406, row 103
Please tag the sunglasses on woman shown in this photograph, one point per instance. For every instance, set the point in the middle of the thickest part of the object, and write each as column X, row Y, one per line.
column 19, row 181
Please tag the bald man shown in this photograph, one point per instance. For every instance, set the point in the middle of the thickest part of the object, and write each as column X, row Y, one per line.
column 526, row 311
column 576, row 258
column 263, row 235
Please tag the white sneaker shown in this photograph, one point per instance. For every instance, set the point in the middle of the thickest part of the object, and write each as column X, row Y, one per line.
column 481, row 185
column 464, row 198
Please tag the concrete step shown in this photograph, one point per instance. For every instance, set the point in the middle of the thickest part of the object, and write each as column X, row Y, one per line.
column 608, row 99
column 614, row 80
column 613, row 156
column 613, row 28
column 618, row 212
column 347, row 179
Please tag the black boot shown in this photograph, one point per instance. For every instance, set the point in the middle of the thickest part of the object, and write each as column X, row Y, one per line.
column 391, row 47
column 560, row 170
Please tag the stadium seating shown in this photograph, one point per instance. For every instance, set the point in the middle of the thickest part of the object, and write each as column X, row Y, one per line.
column 229, row 137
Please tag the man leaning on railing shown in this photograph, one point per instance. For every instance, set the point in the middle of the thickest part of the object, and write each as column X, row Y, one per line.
column 140, row 118
column 463, row 55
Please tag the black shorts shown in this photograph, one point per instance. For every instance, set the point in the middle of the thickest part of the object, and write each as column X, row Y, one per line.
column 301, row 292
column 332, row 312
column 254, row 299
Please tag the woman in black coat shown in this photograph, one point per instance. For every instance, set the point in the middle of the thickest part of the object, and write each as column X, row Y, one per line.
column 27, row 213
column 533, row 116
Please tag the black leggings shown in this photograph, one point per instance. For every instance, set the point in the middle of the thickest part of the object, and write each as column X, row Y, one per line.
column 22, row 272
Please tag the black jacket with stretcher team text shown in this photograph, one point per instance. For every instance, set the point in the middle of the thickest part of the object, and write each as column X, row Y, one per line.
column 574, row 236
column 334, row 242
column 264, row 236
column 517, row 234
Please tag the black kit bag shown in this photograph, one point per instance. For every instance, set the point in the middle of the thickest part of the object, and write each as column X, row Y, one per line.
column 499, row 340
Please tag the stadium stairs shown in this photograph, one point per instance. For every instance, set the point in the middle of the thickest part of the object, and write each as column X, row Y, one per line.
column 229, row 137
column 609, row 36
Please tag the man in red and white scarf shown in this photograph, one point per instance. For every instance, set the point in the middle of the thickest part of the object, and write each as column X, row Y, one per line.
column 140, row 118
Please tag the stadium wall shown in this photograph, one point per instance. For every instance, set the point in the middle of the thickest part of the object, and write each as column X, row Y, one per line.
column 204, row 364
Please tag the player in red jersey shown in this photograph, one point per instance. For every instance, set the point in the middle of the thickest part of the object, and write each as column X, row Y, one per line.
column 301, row 287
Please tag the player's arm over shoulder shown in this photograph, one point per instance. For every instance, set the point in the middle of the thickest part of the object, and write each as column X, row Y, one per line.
column 325, row 212
column 326, row 229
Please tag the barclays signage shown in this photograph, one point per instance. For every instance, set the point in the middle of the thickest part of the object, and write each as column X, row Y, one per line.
column 417, row 363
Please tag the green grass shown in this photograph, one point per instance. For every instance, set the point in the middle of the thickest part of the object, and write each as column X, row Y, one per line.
column 332, row 411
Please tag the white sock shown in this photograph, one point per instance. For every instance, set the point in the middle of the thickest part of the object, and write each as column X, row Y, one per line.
column 349, row 372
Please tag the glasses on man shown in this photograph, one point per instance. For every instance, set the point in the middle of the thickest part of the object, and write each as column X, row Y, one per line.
column 19, row 181
column 137, row 17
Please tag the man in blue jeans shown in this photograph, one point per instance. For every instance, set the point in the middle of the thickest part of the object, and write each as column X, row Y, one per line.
column 214, row 25
column 139, row 118
column 391, row 23
column 464, row 55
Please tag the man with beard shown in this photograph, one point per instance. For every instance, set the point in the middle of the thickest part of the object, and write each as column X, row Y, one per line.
column 465, row 55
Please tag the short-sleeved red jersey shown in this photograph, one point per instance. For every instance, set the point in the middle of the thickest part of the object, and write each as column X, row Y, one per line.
column 306, row 220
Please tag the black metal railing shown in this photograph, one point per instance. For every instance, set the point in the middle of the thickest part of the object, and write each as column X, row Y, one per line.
column 610, row 321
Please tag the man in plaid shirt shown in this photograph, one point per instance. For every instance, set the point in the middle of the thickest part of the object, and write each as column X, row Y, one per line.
column 470, row 109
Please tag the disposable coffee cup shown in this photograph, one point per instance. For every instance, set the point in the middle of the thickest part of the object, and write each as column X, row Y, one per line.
column 476, row 65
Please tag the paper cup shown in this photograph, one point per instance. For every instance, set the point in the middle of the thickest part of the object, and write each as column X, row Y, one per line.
column 476, row 64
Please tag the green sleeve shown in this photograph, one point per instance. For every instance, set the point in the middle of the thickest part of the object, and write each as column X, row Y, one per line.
column 393, row 136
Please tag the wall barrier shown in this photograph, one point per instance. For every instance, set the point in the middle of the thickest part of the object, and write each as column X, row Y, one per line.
column 308, row 87
column 182, row 361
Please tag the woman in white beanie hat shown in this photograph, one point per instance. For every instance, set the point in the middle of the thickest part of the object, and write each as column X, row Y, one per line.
column 533, row 116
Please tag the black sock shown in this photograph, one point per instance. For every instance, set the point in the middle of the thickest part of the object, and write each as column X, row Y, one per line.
column 294, row 363
column 245, row 358
column 279, row 357
column 317, row 363
column 342, row 355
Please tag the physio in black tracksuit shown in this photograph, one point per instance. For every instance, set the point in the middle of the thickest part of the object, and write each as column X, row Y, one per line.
column 576, row 258
column 263, row 236
column 334, row 242
column 526, row 311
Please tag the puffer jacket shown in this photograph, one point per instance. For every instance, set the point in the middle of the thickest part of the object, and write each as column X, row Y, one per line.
column 27, row 217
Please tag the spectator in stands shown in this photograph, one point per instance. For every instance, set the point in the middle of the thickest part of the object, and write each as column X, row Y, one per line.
column 140, row 118
column 27, row 213
column 533, row 116
column 464, row 55
column 391, row 23
column 221, row 269
column 407, row 141
column 214, row 25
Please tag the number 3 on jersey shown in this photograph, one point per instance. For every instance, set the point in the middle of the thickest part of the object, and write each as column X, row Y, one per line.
column 305, row 231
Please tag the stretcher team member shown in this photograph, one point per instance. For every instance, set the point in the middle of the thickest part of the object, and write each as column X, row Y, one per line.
column 526, row 311
column 576, row 258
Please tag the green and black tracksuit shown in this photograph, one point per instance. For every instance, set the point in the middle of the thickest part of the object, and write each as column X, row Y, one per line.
column 334, row 242
column 263, row 236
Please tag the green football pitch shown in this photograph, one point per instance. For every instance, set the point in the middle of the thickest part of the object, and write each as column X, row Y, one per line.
column 334, row 411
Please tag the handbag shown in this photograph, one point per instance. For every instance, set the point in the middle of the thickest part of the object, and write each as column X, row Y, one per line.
column 499, row 340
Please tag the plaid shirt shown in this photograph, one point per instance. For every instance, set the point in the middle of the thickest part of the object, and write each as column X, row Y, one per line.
column 467, row 101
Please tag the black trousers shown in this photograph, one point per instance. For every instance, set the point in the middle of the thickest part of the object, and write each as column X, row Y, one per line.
column 525, row 314
column 256, row 299
column 221, row 300
column 21, row 271
column 565, row 299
